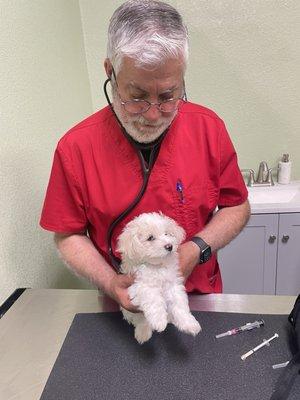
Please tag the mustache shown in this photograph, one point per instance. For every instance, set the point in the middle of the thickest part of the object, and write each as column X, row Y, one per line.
column 142, row 121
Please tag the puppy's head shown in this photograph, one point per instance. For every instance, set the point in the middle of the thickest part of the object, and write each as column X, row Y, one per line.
column 149, row 238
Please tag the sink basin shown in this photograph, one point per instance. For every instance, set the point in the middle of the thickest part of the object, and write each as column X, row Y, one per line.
column 272, row 194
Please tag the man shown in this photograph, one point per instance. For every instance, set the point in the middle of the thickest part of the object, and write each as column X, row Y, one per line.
column 149, row 151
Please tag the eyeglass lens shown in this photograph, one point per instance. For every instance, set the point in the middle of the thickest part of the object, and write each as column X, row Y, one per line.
column 141, row 106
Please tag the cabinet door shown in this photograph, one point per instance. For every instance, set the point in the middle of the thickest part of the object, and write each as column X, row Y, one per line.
column 288, row 263
column 248, row 263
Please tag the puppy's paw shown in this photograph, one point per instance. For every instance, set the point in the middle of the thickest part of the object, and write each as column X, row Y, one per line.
column 142, row 333
column 158, row 324
column 189, row 325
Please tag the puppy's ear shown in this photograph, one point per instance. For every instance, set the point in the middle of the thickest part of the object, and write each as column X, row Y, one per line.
column 128, row 242
column 176, row 230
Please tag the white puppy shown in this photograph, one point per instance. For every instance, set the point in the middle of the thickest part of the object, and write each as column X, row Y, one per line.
column 148, row 246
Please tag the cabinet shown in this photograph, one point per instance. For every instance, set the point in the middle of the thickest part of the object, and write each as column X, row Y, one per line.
column 265, row 257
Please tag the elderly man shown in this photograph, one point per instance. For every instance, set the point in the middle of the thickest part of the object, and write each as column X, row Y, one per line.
column 149, row 150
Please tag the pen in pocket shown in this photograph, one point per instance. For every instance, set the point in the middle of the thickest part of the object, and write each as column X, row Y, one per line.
column 179, row 188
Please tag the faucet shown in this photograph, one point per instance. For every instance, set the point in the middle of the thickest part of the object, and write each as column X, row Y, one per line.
column 264, row 175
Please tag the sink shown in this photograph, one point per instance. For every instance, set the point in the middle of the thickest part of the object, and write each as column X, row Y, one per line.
column 273, row 194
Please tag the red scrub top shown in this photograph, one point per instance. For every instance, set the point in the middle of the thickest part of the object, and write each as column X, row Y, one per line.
column 96, row 174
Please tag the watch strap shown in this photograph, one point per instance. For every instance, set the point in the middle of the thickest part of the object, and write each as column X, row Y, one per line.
column 205, row 250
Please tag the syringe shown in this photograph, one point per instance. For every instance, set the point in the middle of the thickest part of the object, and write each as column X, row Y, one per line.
column 264, row 343
column 247, row 327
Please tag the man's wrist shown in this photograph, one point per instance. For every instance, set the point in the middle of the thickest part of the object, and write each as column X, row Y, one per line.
column 107, row 284
column 196, row 252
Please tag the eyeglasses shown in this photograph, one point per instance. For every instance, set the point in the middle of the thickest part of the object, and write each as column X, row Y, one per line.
column 138, row 106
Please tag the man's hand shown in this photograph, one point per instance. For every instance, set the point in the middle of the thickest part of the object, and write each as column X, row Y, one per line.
column 118, row 290
column 80, row 254
column 189, row 254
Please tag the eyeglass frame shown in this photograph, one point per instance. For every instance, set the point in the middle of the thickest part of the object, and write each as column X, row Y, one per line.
column 182, row 98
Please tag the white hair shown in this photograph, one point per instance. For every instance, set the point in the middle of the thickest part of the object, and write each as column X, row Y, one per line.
column 148, row 31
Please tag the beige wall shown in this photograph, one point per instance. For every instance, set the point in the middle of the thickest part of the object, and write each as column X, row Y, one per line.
column 44, row 91
column 244, row 64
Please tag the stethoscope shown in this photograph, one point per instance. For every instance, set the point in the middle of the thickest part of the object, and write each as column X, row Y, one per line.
column 146, row 171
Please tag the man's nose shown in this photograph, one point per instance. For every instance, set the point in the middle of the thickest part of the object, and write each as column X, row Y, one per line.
column 169, row 247
column 153, row 114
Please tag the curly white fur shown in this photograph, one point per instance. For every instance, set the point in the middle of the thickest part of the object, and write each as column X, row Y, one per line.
column 148, row 246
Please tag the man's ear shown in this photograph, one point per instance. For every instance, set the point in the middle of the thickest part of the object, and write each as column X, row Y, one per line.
column 108, row 67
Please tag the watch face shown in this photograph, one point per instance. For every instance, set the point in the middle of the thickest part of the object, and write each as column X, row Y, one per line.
column 206, row 255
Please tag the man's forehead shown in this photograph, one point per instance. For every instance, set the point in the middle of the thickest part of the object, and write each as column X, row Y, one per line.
column 169, row 71
column 169, row 87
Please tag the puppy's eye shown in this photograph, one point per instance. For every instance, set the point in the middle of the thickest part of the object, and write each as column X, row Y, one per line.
column 150, row 238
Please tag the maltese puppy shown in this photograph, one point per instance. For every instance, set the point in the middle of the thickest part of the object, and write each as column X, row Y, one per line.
column 148, row 245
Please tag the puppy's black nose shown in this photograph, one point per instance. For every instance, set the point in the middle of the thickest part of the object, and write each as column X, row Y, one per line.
column 169, row 247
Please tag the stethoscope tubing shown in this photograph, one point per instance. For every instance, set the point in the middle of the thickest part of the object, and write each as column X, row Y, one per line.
column 146, row 171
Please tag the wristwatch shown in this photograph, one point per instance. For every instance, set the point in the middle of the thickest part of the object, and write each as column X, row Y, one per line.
column 205, row 250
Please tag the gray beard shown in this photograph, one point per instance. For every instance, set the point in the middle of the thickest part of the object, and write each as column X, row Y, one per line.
column 142, row 135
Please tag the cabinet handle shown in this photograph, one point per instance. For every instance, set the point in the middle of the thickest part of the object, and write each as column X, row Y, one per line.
column 272, row 239
column 285, row 238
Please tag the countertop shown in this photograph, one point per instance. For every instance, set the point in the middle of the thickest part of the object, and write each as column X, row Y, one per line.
column 34, row 328
column 292, row 206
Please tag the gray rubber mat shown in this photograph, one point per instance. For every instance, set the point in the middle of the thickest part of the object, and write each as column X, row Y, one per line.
column 100, row 359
